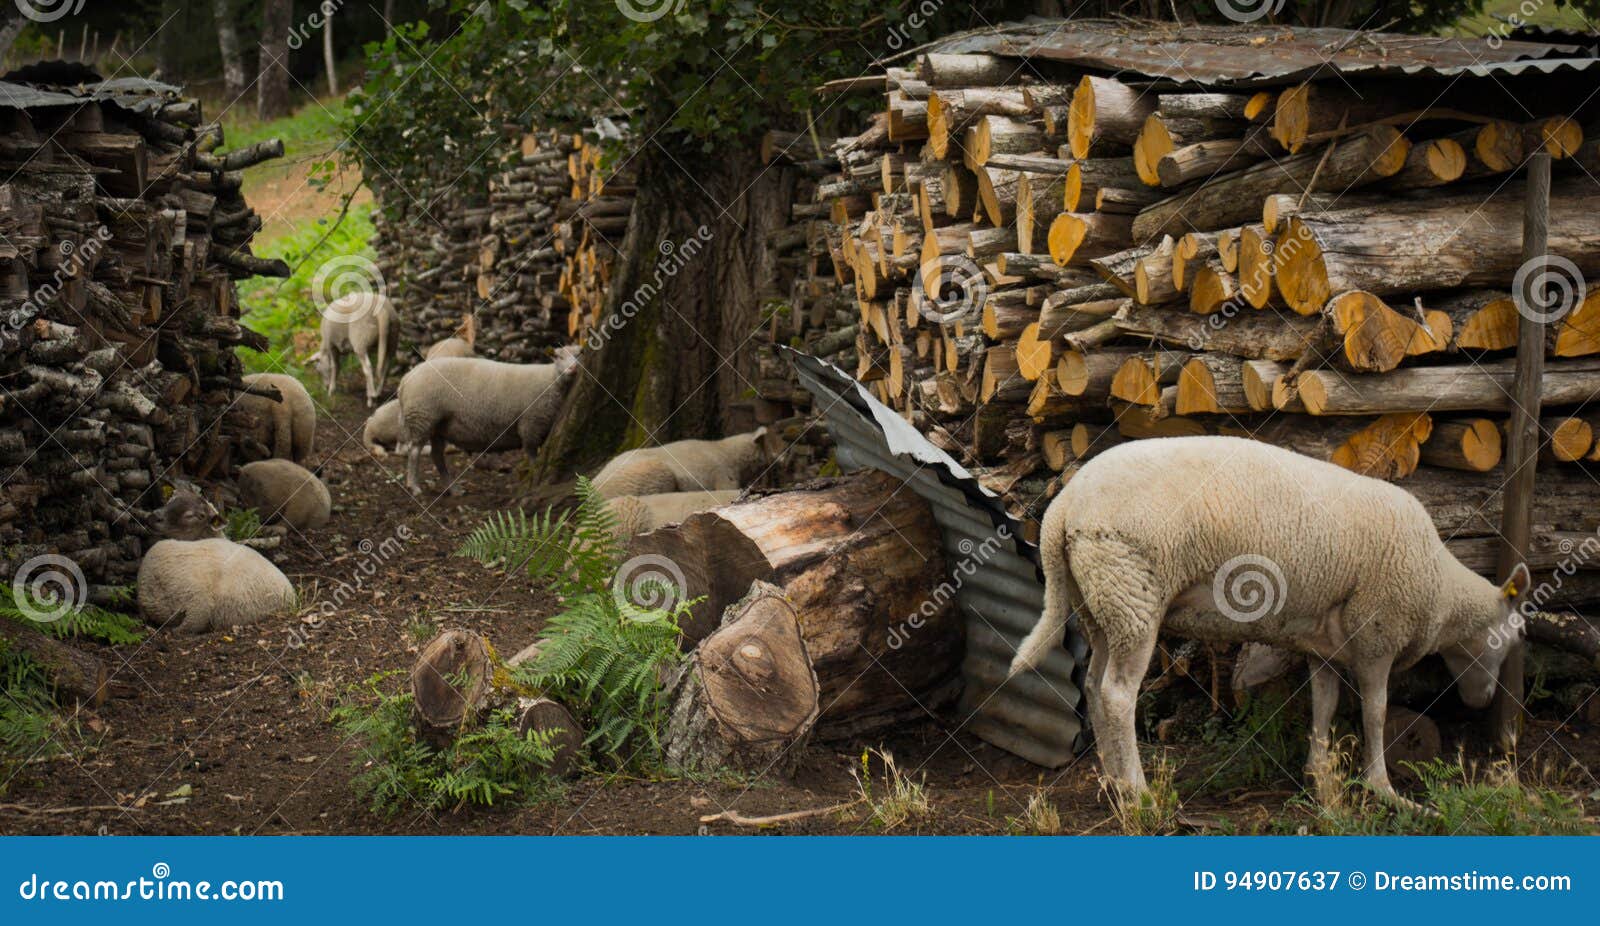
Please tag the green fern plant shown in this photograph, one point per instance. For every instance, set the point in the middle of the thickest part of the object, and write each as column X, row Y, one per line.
column 602, row 654
column 88, row 622
column 492, row 763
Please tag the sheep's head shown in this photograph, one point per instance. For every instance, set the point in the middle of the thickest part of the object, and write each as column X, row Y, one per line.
column 1475, row 661
column 328, row 366
column 187, row 516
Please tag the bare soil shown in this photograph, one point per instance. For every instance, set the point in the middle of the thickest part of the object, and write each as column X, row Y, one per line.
column 230, row 734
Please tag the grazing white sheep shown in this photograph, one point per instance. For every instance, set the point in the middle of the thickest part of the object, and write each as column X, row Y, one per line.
column 684, row 466
column 1229, row 539
column 362, row 323
column 287, row 428
column 383, row 429
column 478, row 405
column 450, row 347
column 639, row 513
column 203, row 581
column 280, row 490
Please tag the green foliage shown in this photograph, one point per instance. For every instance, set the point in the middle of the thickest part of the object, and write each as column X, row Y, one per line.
column 603, row 652
column 1457, row 799
column 279, row 308
column 88, row 622
column 242, row 524
column 491, row 762
column 29, row 725
column 1262, row 744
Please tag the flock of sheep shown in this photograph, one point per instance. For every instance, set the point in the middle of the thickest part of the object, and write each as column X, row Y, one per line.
column 1138, row 540
column 197, row 580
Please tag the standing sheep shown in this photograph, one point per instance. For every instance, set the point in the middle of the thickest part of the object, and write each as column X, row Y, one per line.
column 478, row 405
column 283, row 491
column 684, row 466
column 1230, row 539
column 362, row 323
column 287, row 428
column 383, row 429
column 203, row 581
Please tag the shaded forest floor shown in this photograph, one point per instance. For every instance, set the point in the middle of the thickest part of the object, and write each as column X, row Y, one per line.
column 230, row 734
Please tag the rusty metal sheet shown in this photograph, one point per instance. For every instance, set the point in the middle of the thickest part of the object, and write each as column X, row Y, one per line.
column 1259, row 55
column 993, row 576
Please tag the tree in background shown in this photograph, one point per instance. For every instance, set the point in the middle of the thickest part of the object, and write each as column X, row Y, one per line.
column 272, row 79
column 234, row 81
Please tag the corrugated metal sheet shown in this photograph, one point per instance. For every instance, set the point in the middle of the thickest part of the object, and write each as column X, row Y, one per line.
column 66, row 83
column 1260, row 55
column 994, row 571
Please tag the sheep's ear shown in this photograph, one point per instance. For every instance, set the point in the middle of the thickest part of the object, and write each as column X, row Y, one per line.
column 761, row 432
column 1518, row 582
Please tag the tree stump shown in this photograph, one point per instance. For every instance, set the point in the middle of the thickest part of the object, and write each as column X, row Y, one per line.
column 450, row 683
column 861, row 561
column 1408, row 738
column 747, row 698
column 546, row 716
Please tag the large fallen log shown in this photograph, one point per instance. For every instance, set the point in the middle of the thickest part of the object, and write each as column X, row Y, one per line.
column 859, row 559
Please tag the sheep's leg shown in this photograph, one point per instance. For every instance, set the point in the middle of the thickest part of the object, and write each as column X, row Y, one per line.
column 1095, row 680
column 436, row 450
column 1119, row 700
column 1324, row 702
column 413, row 462
column 1373, row 680
column 366, row 371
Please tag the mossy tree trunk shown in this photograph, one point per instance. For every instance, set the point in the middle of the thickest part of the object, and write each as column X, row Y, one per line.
column 669, row 360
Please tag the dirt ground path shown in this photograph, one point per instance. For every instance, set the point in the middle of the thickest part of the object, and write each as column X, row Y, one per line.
column 229, row 734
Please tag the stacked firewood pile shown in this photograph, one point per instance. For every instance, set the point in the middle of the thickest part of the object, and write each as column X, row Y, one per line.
column 122, row 230
column 428, row 259
column 590, row 224
column 521, row 315
column 1035, row 260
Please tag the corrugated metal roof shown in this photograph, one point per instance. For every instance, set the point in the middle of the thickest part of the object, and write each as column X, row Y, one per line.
column 1260, row 55
column 994, row 571
column 32, row 86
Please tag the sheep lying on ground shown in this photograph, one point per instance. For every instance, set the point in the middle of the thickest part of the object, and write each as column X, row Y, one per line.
column 639, row 513
column 478, row 405
column 286, row 428
column 361, row 323
column 684, row 466
column 1229, row 539
column 203, row 581
column 283, row 491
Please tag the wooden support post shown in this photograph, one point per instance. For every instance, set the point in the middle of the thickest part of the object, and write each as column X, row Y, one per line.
column 1523, row 448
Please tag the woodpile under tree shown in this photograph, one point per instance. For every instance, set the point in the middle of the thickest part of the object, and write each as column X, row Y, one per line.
column 1035, row 259
column 123, row 233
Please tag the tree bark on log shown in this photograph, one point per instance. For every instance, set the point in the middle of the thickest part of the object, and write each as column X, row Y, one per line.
column 860, row 561
column 747, row 699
